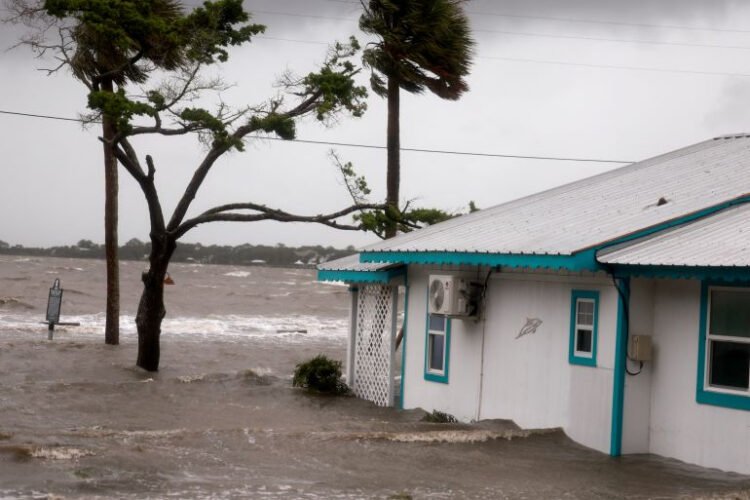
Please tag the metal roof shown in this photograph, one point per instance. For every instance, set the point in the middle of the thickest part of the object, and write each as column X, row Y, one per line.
column 352, row 263
column 351, row 270
column 721, row 240
column 595, row 210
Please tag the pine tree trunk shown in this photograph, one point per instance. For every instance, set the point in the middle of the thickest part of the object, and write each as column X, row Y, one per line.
column 151, row 310
column 112, row 324
column 394, row 155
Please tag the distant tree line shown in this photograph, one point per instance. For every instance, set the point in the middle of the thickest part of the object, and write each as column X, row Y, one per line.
column 241, row 255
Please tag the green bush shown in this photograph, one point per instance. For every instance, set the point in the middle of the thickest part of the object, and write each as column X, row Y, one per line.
column 320, row 374
column 438, row 417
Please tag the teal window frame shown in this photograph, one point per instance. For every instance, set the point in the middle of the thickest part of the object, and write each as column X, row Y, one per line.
column 433, row 375
column 725, row 398
column 577, row 359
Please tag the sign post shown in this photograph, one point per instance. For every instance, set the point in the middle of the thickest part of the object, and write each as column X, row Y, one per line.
column 54, row 303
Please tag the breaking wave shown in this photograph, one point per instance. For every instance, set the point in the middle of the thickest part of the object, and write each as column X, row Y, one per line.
column 13, row 303
column 455, row 436
column 291, row 329
column 238, row 274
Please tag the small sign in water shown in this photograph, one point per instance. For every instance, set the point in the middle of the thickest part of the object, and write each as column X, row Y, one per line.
column 54, row 302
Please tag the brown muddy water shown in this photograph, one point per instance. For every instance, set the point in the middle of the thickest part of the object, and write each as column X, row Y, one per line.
column 221, row 420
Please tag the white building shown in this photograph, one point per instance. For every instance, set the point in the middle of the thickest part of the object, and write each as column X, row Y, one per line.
column 616, row 307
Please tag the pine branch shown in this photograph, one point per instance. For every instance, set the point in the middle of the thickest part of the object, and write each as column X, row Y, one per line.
column 224, row 213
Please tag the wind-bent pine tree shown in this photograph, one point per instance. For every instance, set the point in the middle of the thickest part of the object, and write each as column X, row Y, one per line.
column 421, row 44
column 188, row 42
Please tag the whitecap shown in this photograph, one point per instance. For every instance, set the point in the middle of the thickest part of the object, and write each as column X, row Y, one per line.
column 329, row 283
column 60, row 453
column 238, row 274
column 293, row 329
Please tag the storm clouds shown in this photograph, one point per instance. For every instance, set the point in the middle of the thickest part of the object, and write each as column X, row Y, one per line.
column 583, row 79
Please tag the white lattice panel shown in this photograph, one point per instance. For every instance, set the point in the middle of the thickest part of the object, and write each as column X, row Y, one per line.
column 373, row 355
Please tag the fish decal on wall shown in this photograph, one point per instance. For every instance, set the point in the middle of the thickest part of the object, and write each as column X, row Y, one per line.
column 530, row 327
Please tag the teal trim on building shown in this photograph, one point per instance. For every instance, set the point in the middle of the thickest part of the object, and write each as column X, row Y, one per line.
column 403, row 342
column 435, row 377
column 703, row 395
column 621, row 351
column 675, row 222
column 383, row 277
column 572, row 357
column 582, row 261
column 725, row 274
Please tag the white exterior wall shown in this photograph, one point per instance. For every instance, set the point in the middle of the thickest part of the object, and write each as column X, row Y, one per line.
column 528, row 380
column 706, row 435
column 637, row 400
column 459, row 396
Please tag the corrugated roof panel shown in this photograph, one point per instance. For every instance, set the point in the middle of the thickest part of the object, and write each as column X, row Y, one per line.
column 597, row 209
column 721, row 240
column 352, row 264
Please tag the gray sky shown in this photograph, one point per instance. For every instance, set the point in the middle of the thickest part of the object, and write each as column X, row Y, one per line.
column 543, row 83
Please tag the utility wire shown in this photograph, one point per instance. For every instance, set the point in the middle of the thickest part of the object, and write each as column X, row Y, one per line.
column 561, row 37
column 48, row 117
column 609, row 23
column 369, row 146
column 460, row 153
column 563, row 63
column 615, row 40
column 585, row 21
column 613, row 66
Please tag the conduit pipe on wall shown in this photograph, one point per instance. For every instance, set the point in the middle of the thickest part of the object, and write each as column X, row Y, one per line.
column 483, row 319
column 622, row 285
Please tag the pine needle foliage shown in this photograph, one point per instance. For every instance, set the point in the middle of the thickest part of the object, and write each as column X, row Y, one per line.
column 421, row 44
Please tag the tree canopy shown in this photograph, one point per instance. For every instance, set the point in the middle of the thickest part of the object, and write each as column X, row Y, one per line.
column 420, row 44
column 182, row 44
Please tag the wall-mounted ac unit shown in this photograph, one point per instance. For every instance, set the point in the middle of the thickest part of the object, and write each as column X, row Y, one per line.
column 453, row 296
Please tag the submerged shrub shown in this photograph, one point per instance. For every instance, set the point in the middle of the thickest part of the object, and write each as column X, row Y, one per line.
column 320, row 374
column 438, row 417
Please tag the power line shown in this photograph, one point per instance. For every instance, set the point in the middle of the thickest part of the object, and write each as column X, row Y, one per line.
column 562, row 37
column 48, row 117
column 564, row 63
column 459, row 153
column 312, row 16
column 587, row 21
column 314, row 42
column 371, row 146
column 613, row 66
column 610, row 23
column 615, row 40
column 560, row 63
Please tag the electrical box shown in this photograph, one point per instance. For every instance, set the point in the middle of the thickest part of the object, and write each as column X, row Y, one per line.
column 639, row 347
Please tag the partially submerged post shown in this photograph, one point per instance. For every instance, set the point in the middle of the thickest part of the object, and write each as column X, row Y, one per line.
column 54, row 303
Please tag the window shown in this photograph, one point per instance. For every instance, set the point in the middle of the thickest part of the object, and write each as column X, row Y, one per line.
column 583, row 327
column 727, row 344
column 438, row 348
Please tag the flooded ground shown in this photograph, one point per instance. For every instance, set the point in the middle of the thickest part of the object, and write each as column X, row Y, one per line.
column 221, row 420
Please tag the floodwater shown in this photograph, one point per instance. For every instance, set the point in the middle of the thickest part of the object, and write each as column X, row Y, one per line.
column 221, row 420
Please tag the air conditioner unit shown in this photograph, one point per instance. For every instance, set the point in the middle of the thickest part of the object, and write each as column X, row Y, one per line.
column 453, row 296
